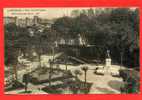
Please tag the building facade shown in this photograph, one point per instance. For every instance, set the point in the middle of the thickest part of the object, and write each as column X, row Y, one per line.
column 23, row 22
column 8, row 20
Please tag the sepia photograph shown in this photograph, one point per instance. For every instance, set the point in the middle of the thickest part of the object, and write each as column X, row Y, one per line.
column 71, row 50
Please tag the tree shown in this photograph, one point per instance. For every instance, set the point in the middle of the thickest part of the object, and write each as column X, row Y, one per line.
column 50, row 71
column 75, row 13
column 77, row 72
column 85, row 69
column 26, row 81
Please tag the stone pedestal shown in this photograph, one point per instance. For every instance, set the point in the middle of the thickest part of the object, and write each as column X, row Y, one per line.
column 108, row 62
column 108, row 65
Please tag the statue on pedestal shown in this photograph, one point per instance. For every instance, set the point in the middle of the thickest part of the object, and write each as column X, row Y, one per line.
column 108, row 53
column 108, row 61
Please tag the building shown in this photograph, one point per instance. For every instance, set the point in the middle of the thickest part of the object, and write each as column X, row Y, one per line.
column 45, row 22
column 29, row 21
column 24, row 22
column 72, row 41
column 8, row 20
column 21, row 22
column 35, row 20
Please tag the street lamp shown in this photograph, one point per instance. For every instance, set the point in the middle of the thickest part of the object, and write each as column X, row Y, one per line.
column 121, row 59
column 66, row 58
column 40, row 31
column 53, row 49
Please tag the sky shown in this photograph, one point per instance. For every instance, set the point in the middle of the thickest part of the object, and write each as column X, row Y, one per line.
column 41, row 12
column 48, row 13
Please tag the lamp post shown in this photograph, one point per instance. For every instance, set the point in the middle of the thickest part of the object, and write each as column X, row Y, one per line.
column 53, row 52
column 121, row 59
column 66, row 57
column 40, row 31
column 53, row 49
column 39, row 52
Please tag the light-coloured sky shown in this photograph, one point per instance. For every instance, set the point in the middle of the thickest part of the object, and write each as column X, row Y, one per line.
column 48, row 13
column 41, row 12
